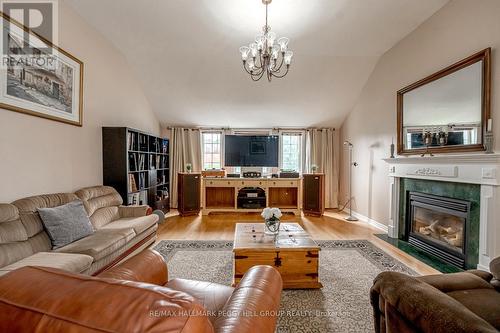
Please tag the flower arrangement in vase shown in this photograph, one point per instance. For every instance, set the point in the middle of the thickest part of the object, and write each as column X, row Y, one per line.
column 272, row 220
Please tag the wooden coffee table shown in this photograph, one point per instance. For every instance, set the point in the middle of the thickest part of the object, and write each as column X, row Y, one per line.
column 292, row 252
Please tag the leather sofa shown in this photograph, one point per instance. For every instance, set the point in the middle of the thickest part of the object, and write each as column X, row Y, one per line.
column 119, row 231
column 136, row 296
column 458, row 302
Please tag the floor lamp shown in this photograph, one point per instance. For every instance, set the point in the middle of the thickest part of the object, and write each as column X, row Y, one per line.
column 351, row 164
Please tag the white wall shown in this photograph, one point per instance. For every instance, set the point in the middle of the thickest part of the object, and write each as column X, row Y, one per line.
column 45, row 156
column 458, row 30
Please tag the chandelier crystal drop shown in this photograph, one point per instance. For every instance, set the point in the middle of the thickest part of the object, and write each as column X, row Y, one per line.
column 268, row 55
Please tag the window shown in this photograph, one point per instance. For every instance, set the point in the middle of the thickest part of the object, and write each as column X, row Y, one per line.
column 212, row 152
column 291, row 151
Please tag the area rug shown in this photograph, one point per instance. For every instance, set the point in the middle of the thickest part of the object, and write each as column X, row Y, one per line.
column 347, row 270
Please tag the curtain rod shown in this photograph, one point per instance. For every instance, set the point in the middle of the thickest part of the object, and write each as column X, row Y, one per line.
column 254, row 129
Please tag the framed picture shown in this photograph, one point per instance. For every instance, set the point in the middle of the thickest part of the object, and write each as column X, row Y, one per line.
column 37, row 77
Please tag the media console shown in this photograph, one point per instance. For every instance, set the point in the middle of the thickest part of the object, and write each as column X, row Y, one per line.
column 251, row 194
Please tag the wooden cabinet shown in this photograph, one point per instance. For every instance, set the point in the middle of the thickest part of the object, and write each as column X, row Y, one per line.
column 222, row 194
column 313, row 194
column 189, row 187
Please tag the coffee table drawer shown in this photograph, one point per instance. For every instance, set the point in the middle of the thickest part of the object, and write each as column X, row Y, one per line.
column 298, row 268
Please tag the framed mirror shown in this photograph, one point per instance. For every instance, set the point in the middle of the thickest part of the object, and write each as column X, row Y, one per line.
column 448, row 111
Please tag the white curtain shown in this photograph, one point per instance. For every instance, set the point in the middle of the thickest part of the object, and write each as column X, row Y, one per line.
column 322, row 150
column 185, row 147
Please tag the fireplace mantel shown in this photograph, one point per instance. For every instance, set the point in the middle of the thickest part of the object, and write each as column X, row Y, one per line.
column 482, row 169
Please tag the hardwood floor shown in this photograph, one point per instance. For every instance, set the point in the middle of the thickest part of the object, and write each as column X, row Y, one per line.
column 331, row 226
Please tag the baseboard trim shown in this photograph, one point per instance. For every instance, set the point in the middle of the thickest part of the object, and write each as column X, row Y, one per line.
column 369, row 221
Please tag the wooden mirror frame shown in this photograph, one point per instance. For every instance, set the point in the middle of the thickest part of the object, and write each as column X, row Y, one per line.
column 485, row 56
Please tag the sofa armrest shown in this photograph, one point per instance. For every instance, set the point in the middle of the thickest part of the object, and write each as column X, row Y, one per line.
column 422, row 305
column 132, row 211
column 147, row 266
column 254, row 304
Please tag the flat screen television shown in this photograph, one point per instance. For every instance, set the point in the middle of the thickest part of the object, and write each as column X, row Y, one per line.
column 251, row 151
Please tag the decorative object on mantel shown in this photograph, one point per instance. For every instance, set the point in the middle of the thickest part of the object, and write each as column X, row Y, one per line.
column 314, row 168
column 272, row 220
column 428, row 141
column 267, row 55
column 351, row 164
column 488, row 138
column 453, row 105
column 189, row 167
column 392, row 147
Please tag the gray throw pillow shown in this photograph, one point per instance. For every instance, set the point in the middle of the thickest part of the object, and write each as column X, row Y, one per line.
column 66, row 224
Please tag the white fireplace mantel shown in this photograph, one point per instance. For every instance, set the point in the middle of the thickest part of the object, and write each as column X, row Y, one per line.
column 481, row 169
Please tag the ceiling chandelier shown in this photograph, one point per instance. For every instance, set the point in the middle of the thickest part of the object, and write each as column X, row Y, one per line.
column 267, row 55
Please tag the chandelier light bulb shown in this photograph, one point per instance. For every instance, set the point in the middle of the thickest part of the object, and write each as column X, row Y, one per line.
column 251, row 64
column 288, row 57
column 283, row 43
column 244, row 50
column 253, row 49
column 268, row 56
column 260, row 40
column 275, row 52
column 271, row 37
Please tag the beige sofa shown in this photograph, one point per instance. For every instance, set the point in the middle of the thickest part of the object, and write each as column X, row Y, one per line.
column 119, row 232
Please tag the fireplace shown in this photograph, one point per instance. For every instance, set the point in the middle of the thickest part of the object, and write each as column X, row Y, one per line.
column 438, row 225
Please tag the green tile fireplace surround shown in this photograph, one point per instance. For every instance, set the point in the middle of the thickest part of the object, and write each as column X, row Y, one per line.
column 462, row 191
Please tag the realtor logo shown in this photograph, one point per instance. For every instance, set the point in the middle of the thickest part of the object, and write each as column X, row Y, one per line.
column 39, row 16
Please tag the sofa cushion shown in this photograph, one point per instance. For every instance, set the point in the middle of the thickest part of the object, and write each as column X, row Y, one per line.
column 53, row 300
column 28, row 209
column 212, row 296
column 66, row 224
column 101, row 243
column 11, row 228
column 483, row 302
column 76, row 263
column 13, row 252
column 101, row 203
column 139, row 224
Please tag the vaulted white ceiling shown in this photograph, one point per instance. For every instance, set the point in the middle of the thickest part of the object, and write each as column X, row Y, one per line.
column 185, row 55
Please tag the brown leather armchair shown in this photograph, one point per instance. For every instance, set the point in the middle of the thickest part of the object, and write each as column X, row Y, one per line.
column 458, row 302
column 136, row 296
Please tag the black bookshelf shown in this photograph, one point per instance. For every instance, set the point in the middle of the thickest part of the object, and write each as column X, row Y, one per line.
column 136, row 164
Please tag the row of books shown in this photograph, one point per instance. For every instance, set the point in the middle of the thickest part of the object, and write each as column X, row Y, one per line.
column 139, row 198
column 161, row 178
column 162, row 194
column 136, row 182
column 136, row 162
column 158, row 162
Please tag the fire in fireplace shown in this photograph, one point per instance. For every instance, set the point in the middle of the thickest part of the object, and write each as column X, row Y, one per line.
column 438, row 226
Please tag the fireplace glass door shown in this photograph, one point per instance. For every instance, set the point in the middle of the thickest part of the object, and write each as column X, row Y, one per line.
column 438, row 226
column 443, row 228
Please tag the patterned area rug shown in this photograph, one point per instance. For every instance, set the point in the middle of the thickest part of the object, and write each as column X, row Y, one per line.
column 347, row 270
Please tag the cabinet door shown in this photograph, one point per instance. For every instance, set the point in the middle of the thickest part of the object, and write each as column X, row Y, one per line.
column 191, row 192
column 312, row 193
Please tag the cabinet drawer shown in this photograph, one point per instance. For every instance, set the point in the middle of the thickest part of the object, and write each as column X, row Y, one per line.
column 283, row 183
column 252, row 183
column 219, row 183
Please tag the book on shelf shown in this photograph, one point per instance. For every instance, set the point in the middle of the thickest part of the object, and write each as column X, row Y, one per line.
column 130, row 140
column 132, row 186
column 134, row 198
column 143, row 198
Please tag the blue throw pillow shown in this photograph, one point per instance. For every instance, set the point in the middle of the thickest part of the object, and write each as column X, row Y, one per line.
column 66, row 224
